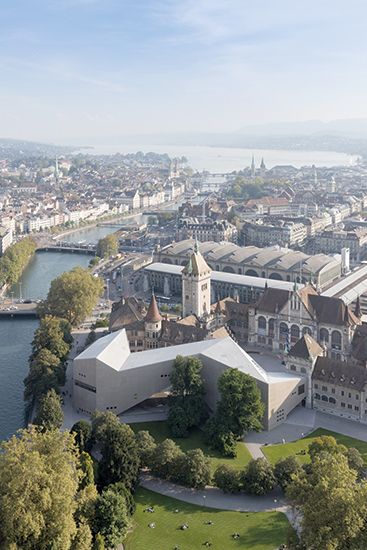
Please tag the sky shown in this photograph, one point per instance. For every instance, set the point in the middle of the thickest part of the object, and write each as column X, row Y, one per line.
column 73, row 70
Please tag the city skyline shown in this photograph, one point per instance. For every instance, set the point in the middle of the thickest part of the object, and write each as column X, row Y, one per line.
column 73, row 69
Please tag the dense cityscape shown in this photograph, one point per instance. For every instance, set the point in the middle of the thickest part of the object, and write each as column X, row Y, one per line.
column 183, row 275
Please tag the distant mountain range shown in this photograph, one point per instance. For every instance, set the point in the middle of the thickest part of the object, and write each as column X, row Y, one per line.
column 352, row 128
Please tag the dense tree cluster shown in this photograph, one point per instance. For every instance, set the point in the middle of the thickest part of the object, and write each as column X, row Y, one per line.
column 108, row 246
column 186, row 402
column 246, row 189
column 50, row 347
column 239, row 410
column 330, row 495
column 72, row 295
column 15, row 259
column 48, row 498
column 168, row 461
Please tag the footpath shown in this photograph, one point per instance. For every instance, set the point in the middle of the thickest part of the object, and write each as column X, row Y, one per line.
column 211, row 497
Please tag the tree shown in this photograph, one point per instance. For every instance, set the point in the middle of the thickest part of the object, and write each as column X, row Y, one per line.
column 218, row 436
column 355, row 461
column 120, row 458
column 325, row 444
column 72, row 295
column 49, row 413
column 111, row 519
column 331, row 503
column 83, row 435
column 86, row 499
column 258, row 477
column 86, row 466
column 163, row 458
column 194, row 469
column 99, row 542
column 240, row 402
column 50, row 335
column 146, row 445
column 126, row 493
column 227, row 479
column 83, row 538
column 108, row 246
column 38, row 485
column 285, row 470
column 45, row 373
column 186, row 403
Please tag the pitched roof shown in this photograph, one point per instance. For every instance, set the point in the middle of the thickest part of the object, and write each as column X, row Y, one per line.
column 340, row 373
column 306, row 348
column 273, row 300
column 153, row 315
column 196, row 265
column 125, row 312
column 332, row 311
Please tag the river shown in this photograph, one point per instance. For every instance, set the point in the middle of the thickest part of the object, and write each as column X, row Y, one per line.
column 16, row 334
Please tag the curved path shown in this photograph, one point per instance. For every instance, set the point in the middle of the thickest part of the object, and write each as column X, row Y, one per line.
column 212, row 497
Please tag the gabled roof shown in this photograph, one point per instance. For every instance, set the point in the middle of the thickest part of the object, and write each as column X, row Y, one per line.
column 273, row 300
column 306, row 348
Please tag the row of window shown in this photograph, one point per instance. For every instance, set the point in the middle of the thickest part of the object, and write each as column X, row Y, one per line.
column 333, row 402
column 342, row 393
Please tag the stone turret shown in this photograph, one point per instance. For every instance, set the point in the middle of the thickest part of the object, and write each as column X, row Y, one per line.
column 196, row 295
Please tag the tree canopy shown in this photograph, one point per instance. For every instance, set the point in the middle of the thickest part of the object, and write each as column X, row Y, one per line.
column 15, row 259
column 49, row 413
column 239, row 410
column 38, row 483
column 108, row 246
column 186, row 403
column 53, row 334
column 332, row 504
column 72, row 295
column 120, row 457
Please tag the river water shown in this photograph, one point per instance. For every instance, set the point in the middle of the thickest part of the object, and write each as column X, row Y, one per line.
column 16, row 334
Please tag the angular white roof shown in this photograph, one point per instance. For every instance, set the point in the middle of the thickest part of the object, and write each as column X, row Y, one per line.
column 113, row 350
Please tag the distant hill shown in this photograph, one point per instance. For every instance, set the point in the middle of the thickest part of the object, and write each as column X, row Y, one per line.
column 353, row 128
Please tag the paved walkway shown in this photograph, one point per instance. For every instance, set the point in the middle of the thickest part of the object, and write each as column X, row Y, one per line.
column 211, row 497
column 215, row 498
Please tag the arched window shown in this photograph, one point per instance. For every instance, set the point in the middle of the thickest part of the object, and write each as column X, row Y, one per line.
column 294, row 333
column 324, row 398
column 332, row 400
column 251, row 273
column 283, row 328
column 324, row 335
column 336, row 339
column 271, row 327
column 293, row 367
column 306, row 330
column 317, row 396
column 261, row 323
column 275, row 276
column 228, row 269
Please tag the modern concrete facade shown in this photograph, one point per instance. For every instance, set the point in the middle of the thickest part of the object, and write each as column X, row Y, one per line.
column 106, row 376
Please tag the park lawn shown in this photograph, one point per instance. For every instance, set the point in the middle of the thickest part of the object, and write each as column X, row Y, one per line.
column 160, row 431
column 276, row 452
column 257, row 530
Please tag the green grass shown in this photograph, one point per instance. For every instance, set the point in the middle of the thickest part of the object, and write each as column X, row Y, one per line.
column 258, row 530
column 160, row 431
column 275, row 452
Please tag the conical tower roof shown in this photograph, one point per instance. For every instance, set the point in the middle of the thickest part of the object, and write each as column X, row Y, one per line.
column 153, row 315
column 196, row 265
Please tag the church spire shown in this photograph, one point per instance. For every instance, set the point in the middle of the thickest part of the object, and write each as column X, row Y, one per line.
column 253, row 166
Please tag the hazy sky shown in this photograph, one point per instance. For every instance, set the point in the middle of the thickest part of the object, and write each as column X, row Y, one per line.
column 77, row 68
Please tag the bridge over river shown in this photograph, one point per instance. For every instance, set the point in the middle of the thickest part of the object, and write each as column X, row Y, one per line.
column 19, row 310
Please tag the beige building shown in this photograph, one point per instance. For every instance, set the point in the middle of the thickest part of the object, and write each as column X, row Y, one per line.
column 107, row 376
